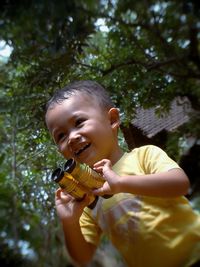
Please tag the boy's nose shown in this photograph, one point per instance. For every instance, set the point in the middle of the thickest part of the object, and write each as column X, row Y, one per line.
column 73, row 138
column 67, row 147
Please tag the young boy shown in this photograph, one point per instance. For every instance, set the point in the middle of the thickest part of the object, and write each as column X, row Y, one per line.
column 147, row 218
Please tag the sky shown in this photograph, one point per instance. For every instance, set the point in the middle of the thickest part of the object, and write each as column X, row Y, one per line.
column 5, row 51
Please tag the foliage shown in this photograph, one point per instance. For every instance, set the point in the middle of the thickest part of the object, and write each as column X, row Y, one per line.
column 10, row 258
column 146, row 53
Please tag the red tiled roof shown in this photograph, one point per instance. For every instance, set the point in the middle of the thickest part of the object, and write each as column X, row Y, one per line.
column 148, row 121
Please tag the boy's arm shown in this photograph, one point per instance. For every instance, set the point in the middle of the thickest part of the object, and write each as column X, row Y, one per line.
column 69, row 212
column 172, row 183
column 80, row 250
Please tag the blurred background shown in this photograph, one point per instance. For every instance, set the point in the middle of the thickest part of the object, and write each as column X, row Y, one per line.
column 146, row 53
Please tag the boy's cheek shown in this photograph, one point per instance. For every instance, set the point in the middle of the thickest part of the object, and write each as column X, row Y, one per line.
column 63, row 150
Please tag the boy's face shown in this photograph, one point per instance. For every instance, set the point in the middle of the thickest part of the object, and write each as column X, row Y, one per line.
column 83, row 130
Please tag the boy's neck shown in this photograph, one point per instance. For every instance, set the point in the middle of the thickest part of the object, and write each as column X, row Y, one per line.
column 118, row 154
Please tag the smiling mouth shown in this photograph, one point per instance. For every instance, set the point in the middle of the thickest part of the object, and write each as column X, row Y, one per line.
column 77, row 153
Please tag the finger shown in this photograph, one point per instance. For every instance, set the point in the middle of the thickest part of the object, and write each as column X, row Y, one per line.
column 99, row 192
column 101, row 163
column 57, row 193
column 98, row 169
column 101, row 168
column 62, row 196
column 65, row 196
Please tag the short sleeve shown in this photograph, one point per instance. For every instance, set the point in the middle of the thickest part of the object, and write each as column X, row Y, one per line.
column 89, row 228
column 154, row 160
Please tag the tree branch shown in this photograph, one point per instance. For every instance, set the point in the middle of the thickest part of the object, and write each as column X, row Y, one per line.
column 194, row 53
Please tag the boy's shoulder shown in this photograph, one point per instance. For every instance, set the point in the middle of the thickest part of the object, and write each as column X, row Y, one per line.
column 149, row 152
column 147, row 148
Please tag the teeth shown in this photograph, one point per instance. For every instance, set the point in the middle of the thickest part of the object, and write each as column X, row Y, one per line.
column 80, row 150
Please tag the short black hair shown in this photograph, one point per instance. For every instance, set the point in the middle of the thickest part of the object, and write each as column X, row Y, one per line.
column 91, row 88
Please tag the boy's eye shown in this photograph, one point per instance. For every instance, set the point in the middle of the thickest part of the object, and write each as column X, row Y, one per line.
column 79, row 121
column 60, row 136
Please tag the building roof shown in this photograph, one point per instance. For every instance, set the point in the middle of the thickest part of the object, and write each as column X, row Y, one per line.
column 148, row 121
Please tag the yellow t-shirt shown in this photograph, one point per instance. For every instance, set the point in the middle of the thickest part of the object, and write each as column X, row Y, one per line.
column 147, row 231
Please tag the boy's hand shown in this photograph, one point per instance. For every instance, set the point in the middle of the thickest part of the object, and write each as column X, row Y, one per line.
column 112, row 184
column 68, row 208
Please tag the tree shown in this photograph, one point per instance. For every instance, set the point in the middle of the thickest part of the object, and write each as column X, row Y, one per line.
column 150, row 52
column 44, row 39
column 146, row 53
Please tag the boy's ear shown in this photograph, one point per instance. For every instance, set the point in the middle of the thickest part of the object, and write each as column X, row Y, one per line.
column 114, row 117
